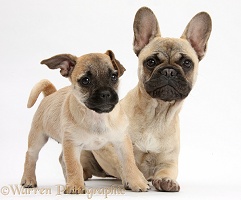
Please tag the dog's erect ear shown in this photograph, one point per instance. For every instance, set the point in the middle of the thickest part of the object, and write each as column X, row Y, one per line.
column 145, row 28
column 65, row 62
column 197, row 33
column 119, row 67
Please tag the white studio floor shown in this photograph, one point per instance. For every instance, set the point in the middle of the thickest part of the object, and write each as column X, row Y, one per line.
column 112, row 189
column 31, row 30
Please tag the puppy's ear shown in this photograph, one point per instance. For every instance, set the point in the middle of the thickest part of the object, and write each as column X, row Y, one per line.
column 119, row 67
column 197, row 33
column 65, row 62
column 145, row 28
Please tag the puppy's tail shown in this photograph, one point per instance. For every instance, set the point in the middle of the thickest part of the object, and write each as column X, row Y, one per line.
column 44, row 86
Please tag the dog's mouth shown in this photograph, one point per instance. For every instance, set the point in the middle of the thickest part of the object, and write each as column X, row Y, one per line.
column 167, row 93
column 102, row 108
column 168, row 89
column 102, row 100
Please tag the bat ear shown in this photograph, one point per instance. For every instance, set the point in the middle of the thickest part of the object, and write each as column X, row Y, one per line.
column 145, row 28
column 116, row 64
column 64, row 62
column 197, row 33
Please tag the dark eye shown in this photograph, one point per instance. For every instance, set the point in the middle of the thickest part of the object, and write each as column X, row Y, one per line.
column 114, row 77
column 151, row 62
column 85, row 81
column 187, row 63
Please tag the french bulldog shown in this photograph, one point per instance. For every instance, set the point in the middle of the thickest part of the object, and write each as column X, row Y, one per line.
column 167, row 72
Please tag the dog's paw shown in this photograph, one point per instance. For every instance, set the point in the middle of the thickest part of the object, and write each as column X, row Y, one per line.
column 137, row 185
column 74, row 189
column 166, row 185
column 29, row 182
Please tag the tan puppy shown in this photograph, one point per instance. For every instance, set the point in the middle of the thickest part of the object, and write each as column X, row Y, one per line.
column 167, row 72
column 83, row 116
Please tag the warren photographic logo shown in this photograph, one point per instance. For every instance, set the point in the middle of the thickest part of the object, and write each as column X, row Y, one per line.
column 18, row 190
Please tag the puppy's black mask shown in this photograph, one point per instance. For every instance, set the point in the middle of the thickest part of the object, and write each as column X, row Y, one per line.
column 103, row 100
column 101, row 90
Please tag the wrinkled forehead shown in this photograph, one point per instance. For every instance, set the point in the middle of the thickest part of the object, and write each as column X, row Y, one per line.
column 169, row 48
column 96, row 64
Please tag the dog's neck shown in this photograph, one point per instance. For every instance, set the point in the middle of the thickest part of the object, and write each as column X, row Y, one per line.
column 157, row 106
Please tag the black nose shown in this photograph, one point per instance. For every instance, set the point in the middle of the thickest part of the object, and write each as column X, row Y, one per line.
column 105, row 95
column 169, row 72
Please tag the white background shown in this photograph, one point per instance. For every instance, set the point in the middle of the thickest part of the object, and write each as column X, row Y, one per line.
column 32, row 30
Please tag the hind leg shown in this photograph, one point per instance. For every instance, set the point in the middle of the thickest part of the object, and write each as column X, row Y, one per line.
column 36, row 141
column 91, row 166
column 61, row 161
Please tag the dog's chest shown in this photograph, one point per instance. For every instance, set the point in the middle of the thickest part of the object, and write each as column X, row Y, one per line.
column 95, row 142
column 154, row 138
column 156, row 131
column 149, row 142
column 98, row 124
column 98, row 132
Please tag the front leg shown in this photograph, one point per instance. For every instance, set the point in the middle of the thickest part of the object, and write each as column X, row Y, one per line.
column 131, row 176
column 165, row 176
column 74, row 170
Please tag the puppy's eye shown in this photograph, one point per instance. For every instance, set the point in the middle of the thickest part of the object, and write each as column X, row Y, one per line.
column 85, row 81
column 187, row 63
column 151, row 62
column 114, row 77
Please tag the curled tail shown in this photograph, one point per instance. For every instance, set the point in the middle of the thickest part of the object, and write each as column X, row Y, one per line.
column 44, row 86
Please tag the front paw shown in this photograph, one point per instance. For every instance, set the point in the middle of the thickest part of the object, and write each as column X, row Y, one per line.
column 29, row 182
column 137, row 184
column 74, row 189
column 166, row 185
